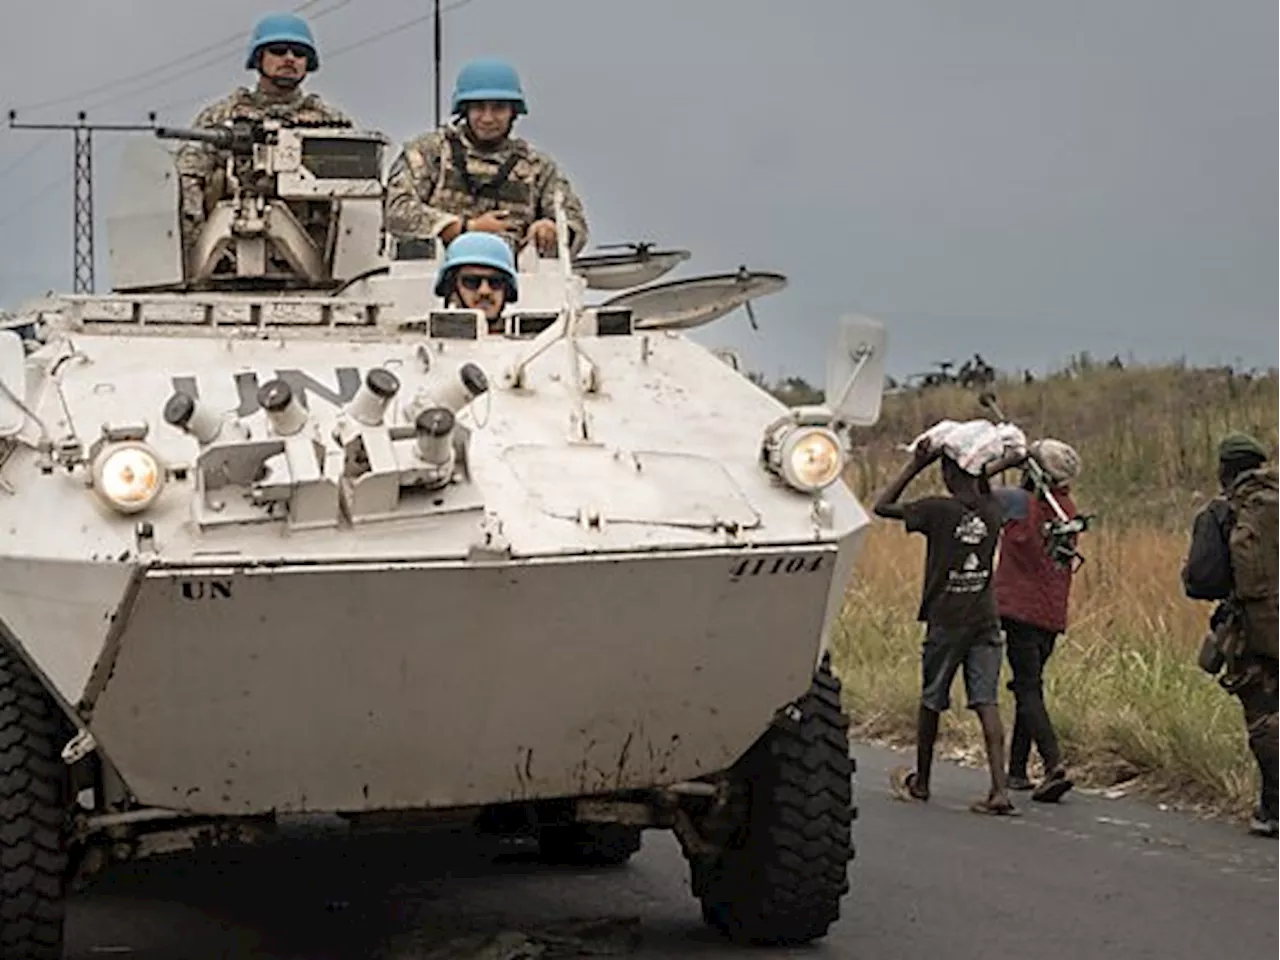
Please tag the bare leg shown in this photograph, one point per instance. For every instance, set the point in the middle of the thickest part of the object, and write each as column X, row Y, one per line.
column 926, row 736
column 993, row 737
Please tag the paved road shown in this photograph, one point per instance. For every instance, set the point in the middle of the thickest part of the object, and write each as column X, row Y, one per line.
column 1089, row 878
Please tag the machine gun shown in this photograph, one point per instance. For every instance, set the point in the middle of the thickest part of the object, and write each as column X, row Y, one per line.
column 239, row 137
column 304, row 203
column 1059, row 533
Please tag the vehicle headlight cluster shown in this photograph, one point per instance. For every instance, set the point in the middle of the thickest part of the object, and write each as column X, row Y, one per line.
column 127, row 475
column 808, row 457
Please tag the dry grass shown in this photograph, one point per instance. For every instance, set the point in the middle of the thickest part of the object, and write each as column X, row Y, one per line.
column 1147, row 437
column 1123, row 688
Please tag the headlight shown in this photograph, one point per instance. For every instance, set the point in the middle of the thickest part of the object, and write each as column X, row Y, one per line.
column 812, row 458
column 128, row 476
column 807, row 456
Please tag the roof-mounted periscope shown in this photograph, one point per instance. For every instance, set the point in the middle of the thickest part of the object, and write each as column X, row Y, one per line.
column 460, row 324
column 272, row 310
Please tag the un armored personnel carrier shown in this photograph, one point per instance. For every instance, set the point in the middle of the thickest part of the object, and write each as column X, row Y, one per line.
column 284, row 534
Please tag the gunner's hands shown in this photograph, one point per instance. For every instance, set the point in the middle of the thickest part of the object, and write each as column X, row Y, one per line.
column 543, row 234
column 492, row 222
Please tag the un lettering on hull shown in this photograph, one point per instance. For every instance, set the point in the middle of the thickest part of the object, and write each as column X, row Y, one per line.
column 345, row 384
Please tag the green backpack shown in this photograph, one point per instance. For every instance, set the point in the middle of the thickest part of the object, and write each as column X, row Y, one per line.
column 1253, row 546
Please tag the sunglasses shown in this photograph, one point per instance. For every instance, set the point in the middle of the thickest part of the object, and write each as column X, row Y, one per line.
column 473, row 281
column 297, row 49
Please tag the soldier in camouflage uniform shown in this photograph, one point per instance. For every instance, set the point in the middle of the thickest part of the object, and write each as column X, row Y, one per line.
column 283, row 52
column 472, row 175
column 1233, row 559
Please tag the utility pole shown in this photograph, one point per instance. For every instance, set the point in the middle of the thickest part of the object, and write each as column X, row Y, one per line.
column 82, row 206
column 438, row 46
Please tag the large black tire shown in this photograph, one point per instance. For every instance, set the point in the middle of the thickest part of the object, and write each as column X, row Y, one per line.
column 33, row 816
column 589, row 844
column 783, row 871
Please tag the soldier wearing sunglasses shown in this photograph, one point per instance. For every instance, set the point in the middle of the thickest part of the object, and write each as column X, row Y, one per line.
column 283, row 52
column 479, row 273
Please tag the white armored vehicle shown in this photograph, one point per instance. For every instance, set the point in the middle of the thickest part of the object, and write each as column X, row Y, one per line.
column 282, row 534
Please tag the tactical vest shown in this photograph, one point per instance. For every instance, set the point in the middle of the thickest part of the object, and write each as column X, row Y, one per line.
column 304, row 111
column 472, row 183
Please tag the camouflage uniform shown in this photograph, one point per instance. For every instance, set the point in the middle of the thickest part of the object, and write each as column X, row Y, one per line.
column 1247, row 671
column 442, row 176
column 200, row 165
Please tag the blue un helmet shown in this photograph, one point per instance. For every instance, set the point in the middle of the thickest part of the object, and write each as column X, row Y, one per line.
column 282, row 28
column 488, row 78
column 478, row 249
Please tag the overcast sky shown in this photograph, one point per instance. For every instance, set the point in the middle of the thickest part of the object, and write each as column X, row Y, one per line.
column 1024, row 178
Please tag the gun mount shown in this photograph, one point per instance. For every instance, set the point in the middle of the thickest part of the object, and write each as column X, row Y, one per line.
column 287, row 207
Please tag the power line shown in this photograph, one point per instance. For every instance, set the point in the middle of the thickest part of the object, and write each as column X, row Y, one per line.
column 33, row 197
column 339, row 51
column 82, row 213
column 382, row 34
column 210, row 59
column 177, row 62
column 27, row 154
column 83, row 192
column 214, row 58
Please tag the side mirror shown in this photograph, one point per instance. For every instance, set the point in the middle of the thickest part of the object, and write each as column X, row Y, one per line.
column 13, row 383
column 855, row 372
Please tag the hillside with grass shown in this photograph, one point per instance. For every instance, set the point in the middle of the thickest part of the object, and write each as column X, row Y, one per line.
column 1130, row 704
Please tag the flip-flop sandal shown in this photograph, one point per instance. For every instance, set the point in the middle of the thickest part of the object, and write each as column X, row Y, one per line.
column 1052, row 790
column 994, row 809
column 902, row 782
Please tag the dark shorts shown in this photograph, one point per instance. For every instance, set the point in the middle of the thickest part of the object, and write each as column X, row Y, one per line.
column 946, row 650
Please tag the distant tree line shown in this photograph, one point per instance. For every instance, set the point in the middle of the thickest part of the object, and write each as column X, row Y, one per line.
column 974, row 373
column 793, row 391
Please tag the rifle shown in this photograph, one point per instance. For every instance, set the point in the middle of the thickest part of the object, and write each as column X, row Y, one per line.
column 1061, row 531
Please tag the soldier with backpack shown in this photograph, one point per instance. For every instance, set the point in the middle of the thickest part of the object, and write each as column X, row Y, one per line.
column 1233, row 559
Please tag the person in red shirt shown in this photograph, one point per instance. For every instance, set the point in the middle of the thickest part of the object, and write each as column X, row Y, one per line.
column 1032, row 597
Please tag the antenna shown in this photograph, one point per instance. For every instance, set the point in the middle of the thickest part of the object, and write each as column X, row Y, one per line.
column 82, row 206
column 438, row 46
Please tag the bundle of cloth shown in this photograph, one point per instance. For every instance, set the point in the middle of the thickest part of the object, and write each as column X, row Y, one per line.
column 974, row 444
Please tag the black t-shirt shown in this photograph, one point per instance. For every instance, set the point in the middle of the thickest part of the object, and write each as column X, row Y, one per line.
column 962, row 540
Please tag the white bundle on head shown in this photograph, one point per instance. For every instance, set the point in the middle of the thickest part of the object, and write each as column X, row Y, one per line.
column 974, row 444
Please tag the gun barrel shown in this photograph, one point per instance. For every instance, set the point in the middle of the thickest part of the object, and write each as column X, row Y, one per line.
column 988, row 399
column 219, row 138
